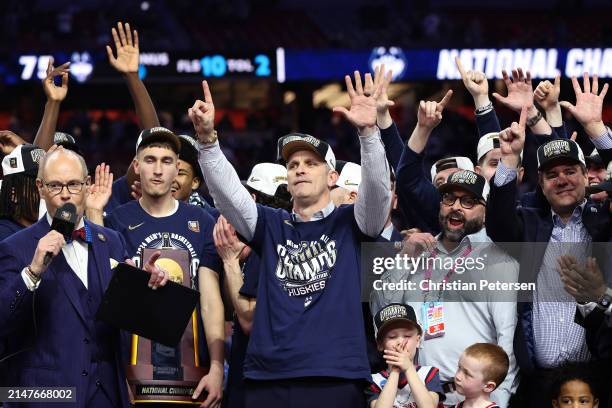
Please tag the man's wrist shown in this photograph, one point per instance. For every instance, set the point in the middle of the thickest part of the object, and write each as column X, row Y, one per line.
column 208, row 138
column 366, row 131
column 384, row 121
column 511, row 161
column 33, row 275
column 482, row 101
column 595, row 130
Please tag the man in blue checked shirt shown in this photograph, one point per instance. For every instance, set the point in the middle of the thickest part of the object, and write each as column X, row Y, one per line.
column 567, row 222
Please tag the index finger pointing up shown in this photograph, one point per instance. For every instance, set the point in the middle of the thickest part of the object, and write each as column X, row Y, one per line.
column 446, row 98
column 207, row 95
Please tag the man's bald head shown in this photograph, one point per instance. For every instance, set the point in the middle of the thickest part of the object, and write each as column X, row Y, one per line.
column 58, row 154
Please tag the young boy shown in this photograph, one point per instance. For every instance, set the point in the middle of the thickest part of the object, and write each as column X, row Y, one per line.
column 403, row 384
column 574, row 386
column 482, row 367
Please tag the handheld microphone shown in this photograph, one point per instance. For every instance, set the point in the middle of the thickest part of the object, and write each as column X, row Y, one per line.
column 63, row 222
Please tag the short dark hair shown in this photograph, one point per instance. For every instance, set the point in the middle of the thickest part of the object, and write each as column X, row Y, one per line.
column 163, row 145
column 572, row 371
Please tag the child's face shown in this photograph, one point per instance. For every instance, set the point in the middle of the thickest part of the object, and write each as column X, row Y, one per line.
column 469, row 378
column 575, row 393
column 395, row 337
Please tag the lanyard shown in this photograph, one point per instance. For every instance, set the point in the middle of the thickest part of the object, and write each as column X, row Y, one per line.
column 429, row 271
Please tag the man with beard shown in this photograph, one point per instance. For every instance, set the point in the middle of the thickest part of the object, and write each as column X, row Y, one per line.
column 465, row 317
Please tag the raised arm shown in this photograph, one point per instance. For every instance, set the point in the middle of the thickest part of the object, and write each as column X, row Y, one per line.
column 588, row 107
column 388, row 130
column 231, row 197
column 413, row 187
column 503, row 223
column 478, row 86
column 547, row 96
column 55, row 96
column 520, row 94
column 127, row 63
column 374, row 197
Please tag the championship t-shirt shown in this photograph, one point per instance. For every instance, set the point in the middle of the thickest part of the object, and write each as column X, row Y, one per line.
column 189, row 229
column 308, row 320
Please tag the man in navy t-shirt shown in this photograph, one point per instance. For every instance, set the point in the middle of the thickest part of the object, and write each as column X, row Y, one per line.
column 307, row 342
column 157, row 220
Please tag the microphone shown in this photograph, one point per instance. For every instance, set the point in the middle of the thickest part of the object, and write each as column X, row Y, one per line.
column 63, row 222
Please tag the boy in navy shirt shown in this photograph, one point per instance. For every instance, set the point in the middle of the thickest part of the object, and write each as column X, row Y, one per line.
column 307, row 342
column 157, row 220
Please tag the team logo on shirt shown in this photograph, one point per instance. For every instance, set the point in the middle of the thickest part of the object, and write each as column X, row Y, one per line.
column 304, row 267
column 193, row 226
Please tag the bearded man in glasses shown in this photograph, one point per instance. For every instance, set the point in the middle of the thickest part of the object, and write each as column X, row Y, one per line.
column 454, row 314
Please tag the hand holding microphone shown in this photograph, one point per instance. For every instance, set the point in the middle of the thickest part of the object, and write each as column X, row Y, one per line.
column 50, row 245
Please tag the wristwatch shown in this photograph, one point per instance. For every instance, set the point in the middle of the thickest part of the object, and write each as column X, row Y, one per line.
column 212, row 140
column 605, row 300
column 534, row 119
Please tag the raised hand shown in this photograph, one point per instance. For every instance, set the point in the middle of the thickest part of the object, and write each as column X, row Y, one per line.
column 202, row 115
column 546, row 93
column 102, row 188
column 476, row 83
column 589, row 103
column 383, row 80
column 56, row 93
column 512, row 141
column 159, row 277
column 362, row 113
column 126, row 44
column 429, row 114
column 520, row 91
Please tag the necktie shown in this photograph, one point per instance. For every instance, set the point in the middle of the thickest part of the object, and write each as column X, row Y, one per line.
column 80, row 234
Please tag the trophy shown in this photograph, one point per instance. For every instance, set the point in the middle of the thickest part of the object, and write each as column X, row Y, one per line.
column 160, row 373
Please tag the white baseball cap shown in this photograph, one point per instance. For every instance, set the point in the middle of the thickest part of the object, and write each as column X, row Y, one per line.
column 266, row 177
column 23, row 159
column 458, row 162
column 350, row 175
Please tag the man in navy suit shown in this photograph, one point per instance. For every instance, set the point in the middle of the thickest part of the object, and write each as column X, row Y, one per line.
column 47, row 313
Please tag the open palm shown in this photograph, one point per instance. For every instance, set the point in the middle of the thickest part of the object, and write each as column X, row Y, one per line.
column 128, row 53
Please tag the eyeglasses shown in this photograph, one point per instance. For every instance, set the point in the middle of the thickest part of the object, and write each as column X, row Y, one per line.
column 73, row 187
column 466, row 201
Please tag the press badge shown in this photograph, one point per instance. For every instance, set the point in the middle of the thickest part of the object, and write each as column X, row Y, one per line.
column 433, row 319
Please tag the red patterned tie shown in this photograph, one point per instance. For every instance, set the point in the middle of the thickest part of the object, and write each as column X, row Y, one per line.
column 80, row 234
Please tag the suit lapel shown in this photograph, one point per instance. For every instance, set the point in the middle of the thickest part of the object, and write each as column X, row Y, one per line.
column 61, row 270
column 101, row 257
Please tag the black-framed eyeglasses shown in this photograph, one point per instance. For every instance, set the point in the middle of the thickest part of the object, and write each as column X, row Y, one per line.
column 73, row 187
column 466, row 201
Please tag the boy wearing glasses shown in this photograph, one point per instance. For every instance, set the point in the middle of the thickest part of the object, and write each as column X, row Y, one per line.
column 452, row 319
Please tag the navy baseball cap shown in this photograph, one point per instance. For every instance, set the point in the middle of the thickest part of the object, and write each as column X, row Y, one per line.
column 158, row 134
column 395, row 313
column 559, row 150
